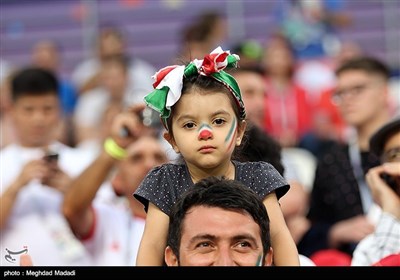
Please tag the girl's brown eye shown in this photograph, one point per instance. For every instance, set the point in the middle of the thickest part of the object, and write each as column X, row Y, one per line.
column 219, row 121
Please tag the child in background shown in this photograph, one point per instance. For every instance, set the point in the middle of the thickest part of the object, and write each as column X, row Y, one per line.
column 204, row 116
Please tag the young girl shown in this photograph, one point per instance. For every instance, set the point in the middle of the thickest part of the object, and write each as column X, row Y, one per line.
column 203, row 113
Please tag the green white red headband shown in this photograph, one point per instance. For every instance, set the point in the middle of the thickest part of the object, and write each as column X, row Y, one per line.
column 169, row 81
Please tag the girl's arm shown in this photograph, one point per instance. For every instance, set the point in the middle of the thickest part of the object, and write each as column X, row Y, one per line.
column 283, row 245
column 154, row 239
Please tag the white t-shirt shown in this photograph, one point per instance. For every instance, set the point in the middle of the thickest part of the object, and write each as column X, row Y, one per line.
column 92, row 106
column 36, row 222
column 116, row 236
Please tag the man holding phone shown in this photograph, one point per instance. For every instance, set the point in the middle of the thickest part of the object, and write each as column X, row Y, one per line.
column 384, row 182
column 35, row 172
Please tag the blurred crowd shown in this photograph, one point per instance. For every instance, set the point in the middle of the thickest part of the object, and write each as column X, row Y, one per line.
column 313, row 103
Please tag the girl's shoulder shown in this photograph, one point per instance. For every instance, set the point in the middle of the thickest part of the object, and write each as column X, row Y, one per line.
column 262, row 177
column 257, row 169
column 253, row 165
column 163, row 185
column 166, row 174
column 166, row 168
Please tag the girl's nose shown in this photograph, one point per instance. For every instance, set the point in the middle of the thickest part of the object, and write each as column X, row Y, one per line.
column 205, row 134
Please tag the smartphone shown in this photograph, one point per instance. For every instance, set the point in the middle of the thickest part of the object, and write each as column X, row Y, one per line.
column 51, row 157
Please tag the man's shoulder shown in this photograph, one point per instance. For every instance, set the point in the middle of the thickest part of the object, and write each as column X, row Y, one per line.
column 75, row 159
column 85, row 65
column 335, row 151
column 142, row 65
column 111, row 213
column 8, row 150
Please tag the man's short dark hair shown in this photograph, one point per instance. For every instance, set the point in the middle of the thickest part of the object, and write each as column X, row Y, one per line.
column 370, row 65
column 33, row 82
column 221, row 193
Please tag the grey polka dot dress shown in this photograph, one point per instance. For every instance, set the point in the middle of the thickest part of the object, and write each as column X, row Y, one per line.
column 164, row 184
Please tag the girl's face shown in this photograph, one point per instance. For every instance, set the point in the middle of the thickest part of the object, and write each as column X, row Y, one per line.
column 205, row 128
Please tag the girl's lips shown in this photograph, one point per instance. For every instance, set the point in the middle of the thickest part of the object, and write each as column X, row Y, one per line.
column 206, row 149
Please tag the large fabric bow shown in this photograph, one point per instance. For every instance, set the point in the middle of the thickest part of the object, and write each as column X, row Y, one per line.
column 168, row 81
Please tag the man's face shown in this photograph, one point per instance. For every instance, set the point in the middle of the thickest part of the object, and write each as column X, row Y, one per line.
column 144, row 154
column 45, row 55
column 360, row 97
column 391, row 153
column 213, row 236
column 110, row 44
column 36, row 119
column 114, row 79
column 253, row 88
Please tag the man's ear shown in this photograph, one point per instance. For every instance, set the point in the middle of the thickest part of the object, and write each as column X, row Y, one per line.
column 171, row 141
column 268, row 257
column 170, row 258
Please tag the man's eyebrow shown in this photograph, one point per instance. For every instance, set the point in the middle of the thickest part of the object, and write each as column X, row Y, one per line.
column 245, row 237
column 238, row 237
column 202, row 236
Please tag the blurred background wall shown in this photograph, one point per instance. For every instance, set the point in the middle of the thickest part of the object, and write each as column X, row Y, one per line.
column 153, row 27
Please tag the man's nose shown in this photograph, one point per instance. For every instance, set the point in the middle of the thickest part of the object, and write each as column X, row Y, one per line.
column 38, row 115
column 224, row 258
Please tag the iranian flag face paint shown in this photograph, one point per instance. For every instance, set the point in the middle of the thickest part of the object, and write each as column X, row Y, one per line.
column 230, row 138
column 205, row 132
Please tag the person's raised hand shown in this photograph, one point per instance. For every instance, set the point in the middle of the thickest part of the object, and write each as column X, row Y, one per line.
column 386, row 197
column 127, row 126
